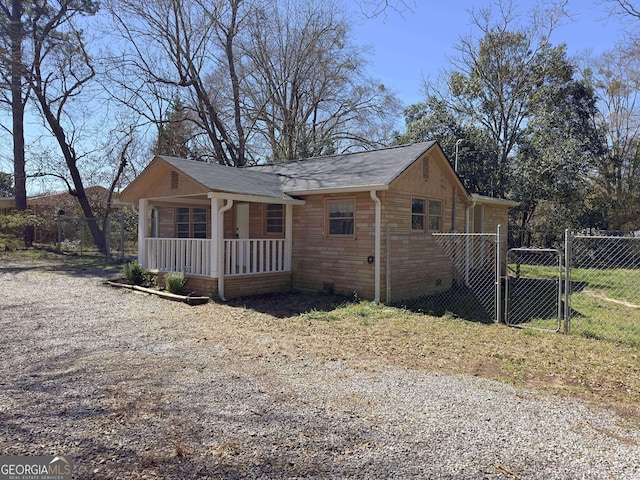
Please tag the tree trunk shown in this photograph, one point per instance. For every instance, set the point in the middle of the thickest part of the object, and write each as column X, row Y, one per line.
column 17, row 113
column 71, row 161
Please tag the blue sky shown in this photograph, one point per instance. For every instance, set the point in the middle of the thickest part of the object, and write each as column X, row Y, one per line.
column 407, row 48
column 417, row 45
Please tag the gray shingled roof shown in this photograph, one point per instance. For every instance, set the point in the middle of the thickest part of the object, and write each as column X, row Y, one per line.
column 228, row 179
column 375, row 168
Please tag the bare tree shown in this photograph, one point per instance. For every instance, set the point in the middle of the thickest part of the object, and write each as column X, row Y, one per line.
column 12, row 33
column 625, row 7
column 615, row 78
column 308, row 90
column 375, row 8
column 188, row 44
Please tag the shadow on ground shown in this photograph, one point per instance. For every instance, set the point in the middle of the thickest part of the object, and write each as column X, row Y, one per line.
column 283, row 305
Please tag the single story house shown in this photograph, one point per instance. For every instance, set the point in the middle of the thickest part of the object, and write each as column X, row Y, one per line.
column 311, row 224
column 63, row 202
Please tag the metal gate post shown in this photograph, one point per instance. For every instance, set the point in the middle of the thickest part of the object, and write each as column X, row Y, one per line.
column 498, row 296
column 568, row 256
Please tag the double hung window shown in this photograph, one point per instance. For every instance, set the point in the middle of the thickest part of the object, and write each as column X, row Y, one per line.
column 341, row 216
column 191, row 222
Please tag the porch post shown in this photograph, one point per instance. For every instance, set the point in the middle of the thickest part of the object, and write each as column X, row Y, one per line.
column 219, row 243
column 288, row 237
column 215, row 237
column 143, row 226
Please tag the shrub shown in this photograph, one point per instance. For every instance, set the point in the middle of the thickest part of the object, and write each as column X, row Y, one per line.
column 133, row 272
column 175, row 282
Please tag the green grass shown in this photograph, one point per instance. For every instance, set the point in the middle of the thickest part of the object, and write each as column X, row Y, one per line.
column 595, row 317
column 605, row 303
column 619, row 283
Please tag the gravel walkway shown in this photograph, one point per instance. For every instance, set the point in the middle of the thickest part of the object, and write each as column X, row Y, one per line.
column 132, row 386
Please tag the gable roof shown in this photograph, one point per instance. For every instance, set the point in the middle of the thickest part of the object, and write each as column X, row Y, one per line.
column 228, row 179
column 351, row 171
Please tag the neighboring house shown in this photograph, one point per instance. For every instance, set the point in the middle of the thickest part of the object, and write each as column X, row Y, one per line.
column 50, row 205
column 7, row 205
column 312, row 224
column 63, row 203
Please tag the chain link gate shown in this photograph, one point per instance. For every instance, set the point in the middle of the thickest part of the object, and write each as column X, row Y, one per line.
column 534, row 288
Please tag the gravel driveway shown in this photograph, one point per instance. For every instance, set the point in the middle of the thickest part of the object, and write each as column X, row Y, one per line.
column 132, row 386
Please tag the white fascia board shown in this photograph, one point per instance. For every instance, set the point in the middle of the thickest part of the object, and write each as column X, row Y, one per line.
column 482, row 200
column 326, row 191
column 253, row 198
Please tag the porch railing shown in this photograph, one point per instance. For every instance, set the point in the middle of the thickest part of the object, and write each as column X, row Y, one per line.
column 193, row 256
column 188, row 255
column 246, row 257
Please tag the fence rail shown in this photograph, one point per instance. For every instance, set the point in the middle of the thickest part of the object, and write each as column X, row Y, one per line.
column 604, row 286
column 573, row 282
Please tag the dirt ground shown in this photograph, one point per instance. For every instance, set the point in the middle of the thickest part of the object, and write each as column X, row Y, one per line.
column 132, row 386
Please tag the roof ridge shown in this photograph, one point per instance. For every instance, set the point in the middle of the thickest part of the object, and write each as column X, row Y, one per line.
column 336, row 155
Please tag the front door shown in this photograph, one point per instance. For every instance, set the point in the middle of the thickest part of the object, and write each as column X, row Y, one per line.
column 242, row 220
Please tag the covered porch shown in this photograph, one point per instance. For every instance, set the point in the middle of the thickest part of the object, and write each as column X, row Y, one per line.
column 221, row 239
column 221, row 226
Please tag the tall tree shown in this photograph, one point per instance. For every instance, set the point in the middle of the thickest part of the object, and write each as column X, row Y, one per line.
column 475, row 151
column 263, row 80
column 307, row 84
column 60, row 70
column 189, row 45
column 494, row 77
column 558, row 149
column 13, row 25
column 615, row 78
column 175, row 133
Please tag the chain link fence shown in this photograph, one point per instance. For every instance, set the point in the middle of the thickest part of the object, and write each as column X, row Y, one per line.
column 578, row 283
column 604, row 273
column 534, row 288
column 444, row 274
column 72, row 235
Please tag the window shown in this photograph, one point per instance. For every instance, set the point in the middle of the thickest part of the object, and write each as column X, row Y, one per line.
column 341, row 216
column 417, row 213
column 274, row 221
column 435, row 215
column 421, row 217
column 183, row 222
column 191, row 222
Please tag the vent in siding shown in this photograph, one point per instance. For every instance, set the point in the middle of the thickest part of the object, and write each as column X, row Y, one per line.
column 174, row 180
column 425, row 168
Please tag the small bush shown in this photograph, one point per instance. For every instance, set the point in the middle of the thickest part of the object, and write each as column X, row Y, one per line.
column 175, row 282
column 133, row 272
